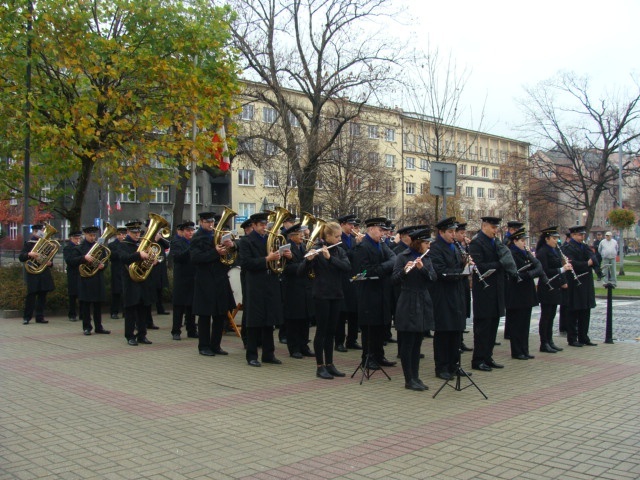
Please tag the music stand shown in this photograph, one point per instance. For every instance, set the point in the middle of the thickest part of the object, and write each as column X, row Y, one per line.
column 460, row 373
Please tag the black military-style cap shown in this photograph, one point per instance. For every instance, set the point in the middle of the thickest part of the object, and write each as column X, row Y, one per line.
column 90, row 229
column 409, row 229
column 350, row 218
column 121, row 229
column 421, row 234
column 376, row 222
column 578, row 229
column 37, row 226
column 447, row 223
column 492, row 220
column 518, row 234
column 207, row 216
column 389, row 226
column 514, row 224
column 259, row 217
column 461, row 226
column 246, row 224
column 550, row 231
column 357, row 222
column 75, row 233
column 188, row 225
column 133, row 226
column 293, row 229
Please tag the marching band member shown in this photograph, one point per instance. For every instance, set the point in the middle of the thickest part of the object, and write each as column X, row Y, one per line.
column 462, row 242
column 449, row 296
column 212, row 295
column 349, row 307
column 329, row 267
column 73, row 273
column 580, row 296
column 521, row 294
column 184, row 273
column 247, row 228
column 263, row 300
column 38, row 284
column 116, row 272
column 414, row 309
column 549, row 255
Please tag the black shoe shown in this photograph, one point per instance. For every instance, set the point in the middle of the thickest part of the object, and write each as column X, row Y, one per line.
column 545, row 347
column 482, row 367
column 207, row 352
column 464, row 348
column 153, row 327
column 590, row 344
column 575, row 344
column 387, row 363
column 530, row 357
column 192, row 335
column 354, row 346
column 463, row 373
column 219, row 351
column 506, row 337
column 283, row 341
column 493, row 364
column 74, row 319
column 308, row 353
column 555, row 347
column 413, row 385
column 444, row 375
column 427, row 334
column 341, row 348
column 371, row 365
column 87, row 332
column 115, row 316
column 132, row 341
column 26, row 321
column 497, row 344
column 297, row 355
column 421, row 355
column 102, row 331
column 145, row 340
column 254, row 363
column 41, row 320
column 176, row 336
column 522, row 356
column 272, row 360
column 392, row 340
column 331, row 368
column 420, row 382
column 322, row 372
column 163, row 312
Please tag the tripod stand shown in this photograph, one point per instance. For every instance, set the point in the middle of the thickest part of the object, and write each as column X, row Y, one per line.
column 459, row 373
column 365, row 364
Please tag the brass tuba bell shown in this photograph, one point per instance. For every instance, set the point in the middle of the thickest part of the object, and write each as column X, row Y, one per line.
column 275, row 239
column 230, row 257
column 140, row 270
column 100, row 252
column 46, row 250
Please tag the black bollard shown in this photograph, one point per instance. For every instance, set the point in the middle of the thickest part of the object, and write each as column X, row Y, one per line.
column 608, row 335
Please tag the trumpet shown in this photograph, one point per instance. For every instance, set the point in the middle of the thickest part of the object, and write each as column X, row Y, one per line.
column 411, row 264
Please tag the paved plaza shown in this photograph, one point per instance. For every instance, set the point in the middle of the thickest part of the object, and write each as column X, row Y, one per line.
column 93, row 407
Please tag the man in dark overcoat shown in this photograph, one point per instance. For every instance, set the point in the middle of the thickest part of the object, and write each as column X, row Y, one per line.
column 376, row 260
column 247, row 228
column 580, row 296
column 212, row 296
column 75, row 237
column 349, row 306
column 138, row 296
column 116, row 272
column 488, row 303
column 448, row 294
column 263, row 300
column 92, row 289
column 298, row 305
column 184, row 274
column 38, row 284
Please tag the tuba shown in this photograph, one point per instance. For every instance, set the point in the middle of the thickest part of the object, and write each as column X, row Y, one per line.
column 230, row 257
column 46, row 250
column 275, row 239
column 318, row 226
column 140, row 270
column 100, row 252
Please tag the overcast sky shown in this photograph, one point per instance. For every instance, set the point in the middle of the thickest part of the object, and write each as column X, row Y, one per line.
column 509, row 43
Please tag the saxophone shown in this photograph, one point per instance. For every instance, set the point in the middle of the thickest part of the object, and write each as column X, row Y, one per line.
column 100, row 253
column 46, row 250
column 140, row 270
column 230, row 257
column 275, row 239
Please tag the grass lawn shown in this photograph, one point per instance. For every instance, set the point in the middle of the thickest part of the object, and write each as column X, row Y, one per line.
column 622, row 292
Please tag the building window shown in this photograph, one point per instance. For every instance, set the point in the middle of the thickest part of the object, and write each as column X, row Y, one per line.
column 157, row 163
column 246, row 209
column 390, row 135
column 44, row 193
column 410, row 188
column 292, row 181
column 474, row 171
column 13, row 201
column 247, row 112
column 424, row 188
column 373, row 132
column 462, row 169
column 391, row 213
column 355, row 184
column 425, row 165
column 374, row 159
column 161, row 194
column 492, row 193
column 245, row 144
column 319, row 183
column 410, row 211
column 495, row 174
column 187, row 195
column 13, row 230
column 270, row 148
column 354, row 129
column 128, row 195
column 246, row 177
column 389, row 161
column 484, row 172
column 410, row 163
column 480, row 192
column 317, row 210
column 270, row 178
column 269, row 115
column 468, row 192
column 293, row 120
column 390, row 187
column 374, row 185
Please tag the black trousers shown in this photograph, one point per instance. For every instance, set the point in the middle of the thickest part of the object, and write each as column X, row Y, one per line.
column 34, row 301
column 409, row 350
column 484, row 337
column 73, row 301
column 372, row 341
column 564, row 316
column 520, row 321
column 210, row 331
column 545, row 327
column 253, row 336
column 135, row 316
column 578, row 325
column 350, row 319
column 85, row 315
column 297, row 334
column 116, row 303
column 327, row 315
column 446, row 351
column 180, row 311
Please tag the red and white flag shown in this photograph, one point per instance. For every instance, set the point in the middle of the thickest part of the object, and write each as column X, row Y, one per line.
column 118, row 207
column 108, row 208
column 220, row 151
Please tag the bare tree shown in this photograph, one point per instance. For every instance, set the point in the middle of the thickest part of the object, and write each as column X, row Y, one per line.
column 583, row 133
column 315, row 47
column 514, row 187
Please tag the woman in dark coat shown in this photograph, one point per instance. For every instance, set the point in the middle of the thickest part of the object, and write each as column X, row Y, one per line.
column 329, row 266
column 521, row 295
column 414, row 309
column 548, row 253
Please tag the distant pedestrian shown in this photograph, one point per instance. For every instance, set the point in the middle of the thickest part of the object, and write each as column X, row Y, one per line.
column 608, row 249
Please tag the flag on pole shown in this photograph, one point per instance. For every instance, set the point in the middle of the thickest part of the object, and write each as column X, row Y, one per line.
column 118, row 207
column 220, row 151
column 108, row 208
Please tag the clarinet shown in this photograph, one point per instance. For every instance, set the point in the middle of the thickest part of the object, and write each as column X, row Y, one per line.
column 475, row 270
column 565, row 260
column 543, row 275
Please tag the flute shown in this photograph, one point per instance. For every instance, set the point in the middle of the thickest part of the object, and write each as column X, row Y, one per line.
column 410, row 265
column 316, row 250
